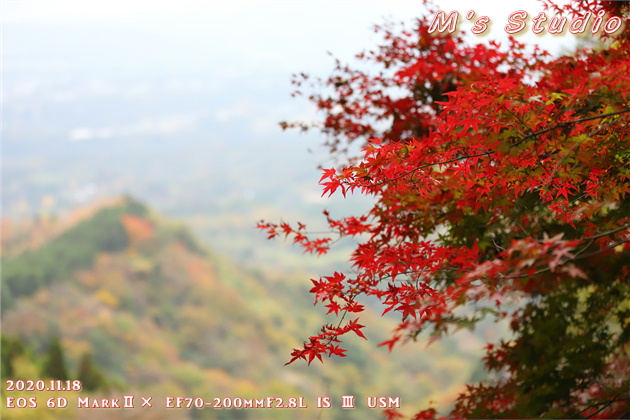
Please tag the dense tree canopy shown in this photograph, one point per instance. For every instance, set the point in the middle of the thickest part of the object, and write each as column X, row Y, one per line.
column 501, row 186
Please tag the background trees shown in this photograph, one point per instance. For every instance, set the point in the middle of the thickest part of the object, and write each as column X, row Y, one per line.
column 55, row 364
column 500, row 179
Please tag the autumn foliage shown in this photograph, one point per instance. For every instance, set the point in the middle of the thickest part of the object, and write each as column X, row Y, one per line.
column 501, row 187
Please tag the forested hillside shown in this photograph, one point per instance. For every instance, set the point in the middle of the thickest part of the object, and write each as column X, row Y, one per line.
column 135, row 303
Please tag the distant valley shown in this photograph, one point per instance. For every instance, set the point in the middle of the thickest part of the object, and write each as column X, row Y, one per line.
column 164, row 315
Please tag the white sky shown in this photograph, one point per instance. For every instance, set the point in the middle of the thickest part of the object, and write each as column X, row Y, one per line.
column 243, row 43
column 283, row 35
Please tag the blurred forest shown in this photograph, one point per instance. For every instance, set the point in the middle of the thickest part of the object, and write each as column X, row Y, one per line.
column 133, row 303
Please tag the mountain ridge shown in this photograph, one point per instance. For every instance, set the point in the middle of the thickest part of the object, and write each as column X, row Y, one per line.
column 162, row 314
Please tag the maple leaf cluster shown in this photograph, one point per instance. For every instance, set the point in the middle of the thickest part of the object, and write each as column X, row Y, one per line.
column 501, row 183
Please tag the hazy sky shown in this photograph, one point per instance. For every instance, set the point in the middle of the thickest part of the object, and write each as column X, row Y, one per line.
column 74, row 71
column 243, row 35
column 256, row 42
column 94, row 48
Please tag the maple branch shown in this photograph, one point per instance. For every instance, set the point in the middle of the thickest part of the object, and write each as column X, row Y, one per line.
column 581, row 251
column 567, row 123
column 343, row 316
column 426, row 165
column 490, row 152
column 577, row 256
column 320, row 232
column 568, row 152
column 624, row 415
column 518, row 119
column 599, row 251
column 605, row 405
column 404, row 273
column 610, row 232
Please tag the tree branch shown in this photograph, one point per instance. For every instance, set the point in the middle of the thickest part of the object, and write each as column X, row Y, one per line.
column 490, row 152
